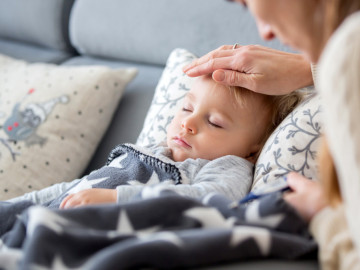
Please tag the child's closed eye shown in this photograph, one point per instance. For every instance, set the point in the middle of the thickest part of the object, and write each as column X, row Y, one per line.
column 187, row 108
column 215, row 124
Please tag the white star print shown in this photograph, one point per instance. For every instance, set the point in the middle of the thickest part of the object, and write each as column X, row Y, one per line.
column 116, row 163
column 154, row 179
column 208, row 217
column 9, row 257
column 86, row 184
column 261, row 237
column 39, row 215
column 163, row 236
column 252, row 215
column 154, row 191
column 124, row 224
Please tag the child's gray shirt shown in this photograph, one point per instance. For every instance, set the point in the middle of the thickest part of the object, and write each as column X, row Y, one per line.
column 228, row 175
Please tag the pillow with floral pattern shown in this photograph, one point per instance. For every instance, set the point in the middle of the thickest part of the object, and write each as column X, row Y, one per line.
column 168, row 96
column 293, row 145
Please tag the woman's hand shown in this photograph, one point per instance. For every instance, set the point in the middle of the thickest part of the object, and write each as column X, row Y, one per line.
column 90, row 196
column 307, row 196
column 255, row 67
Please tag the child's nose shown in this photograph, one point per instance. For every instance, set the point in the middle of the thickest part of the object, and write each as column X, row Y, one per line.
column 189, row 126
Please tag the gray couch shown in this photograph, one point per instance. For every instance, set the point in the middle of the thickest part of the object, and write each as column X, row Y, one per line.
column 122, row 33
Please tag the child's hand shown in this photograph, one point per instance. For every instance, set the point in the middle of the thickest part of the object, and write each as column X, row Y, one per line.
column 307, row 196
column 90, row 196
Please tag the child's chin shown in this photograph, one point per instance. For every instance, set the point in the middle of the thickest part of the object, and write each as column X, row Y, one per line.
column 179, row 156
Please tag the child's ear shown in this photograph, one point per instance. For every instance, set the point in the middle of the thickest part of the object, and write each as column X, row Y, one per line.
column 254, row 153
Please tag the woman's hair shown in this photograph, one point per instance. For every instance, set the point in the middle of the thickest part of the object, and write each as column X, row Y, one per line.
column 328, row 175
column 336, row 12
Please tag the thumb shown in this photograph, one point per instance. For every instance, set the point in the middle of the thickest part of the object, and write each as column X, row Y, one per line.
column 232, row 77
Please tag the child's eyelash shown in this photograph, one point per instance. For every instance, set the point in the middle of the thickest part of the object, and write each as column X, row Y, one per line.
column 214, row 125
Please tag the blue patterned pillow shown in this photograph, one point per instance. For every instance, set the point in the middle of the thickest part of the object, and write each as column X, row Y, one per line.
column 293, row 145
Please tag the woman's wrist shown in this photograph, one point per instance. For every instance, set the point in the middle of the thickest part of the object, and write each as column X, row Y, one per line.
column 305, row 76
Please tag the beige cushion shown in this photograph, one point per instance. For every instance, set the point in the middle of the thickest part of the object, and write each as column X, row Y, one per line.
column 51, row 120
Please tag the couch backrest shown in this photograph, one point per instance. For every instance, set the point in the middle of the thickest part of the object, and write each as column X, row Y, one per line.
column 39, row 22
column 147, row 31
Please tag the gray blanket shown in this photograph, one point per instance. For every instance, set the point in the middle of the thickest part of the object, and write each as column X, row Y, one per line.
column 157, row 229
column 167, row 231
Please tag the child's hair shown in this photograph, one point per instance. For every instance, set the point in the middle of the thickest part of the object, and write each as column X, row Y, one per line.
column 277, row 107
column 328, row 175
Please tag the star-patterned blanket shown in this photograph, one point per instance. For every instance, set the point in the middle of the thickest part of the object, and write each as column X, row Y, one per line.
column 125, row 163
column 163, row 230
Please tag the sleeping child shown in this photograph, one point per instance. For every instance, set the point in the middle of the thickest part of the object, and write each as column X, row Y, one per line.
column 211, row 147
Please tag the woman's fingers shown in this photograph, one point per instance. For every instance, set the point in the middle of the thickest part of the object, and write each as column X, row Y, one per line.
column 254, row 67
column 235, row 78
column 208, row 67
column 307, row 196
column 206, row 64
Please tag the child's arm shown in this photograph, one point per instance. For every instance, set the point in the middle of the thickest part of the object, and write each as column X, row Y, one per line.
column 46, row 194
column 230, row 176
column 90, row 196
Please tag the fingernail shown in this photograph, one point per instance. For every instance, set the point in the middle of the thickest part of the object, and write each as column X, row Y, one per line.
column 185, row 68
column 219, row 75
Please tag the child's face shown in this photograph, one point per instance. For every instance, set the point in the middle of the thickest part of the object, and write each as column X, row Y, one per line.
column 212, row 124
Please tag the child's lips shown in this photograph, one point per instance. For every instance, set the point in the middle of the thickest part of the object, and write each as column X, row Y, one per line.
column 182, row 142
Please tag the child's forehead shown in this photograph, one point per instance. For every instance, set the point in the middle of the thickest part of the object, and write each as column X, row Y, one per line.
column 233, row 96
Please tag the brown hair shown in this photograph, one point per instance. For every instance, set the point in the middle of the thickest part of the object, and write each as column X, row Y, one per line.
column 277, row 107
column 336, row 12
column 328, row 175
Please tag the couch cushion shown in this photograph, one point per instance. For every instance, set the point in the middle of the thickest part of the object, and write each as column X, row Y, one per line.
column 51, row 120
column 39, row 22
column 147, row 31
column 32, row 53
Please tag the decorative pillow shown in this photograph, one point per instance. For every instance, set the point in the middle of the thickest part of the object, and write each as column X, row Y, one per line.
column 51, row 120
column 293, row 145
column 171, row 89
